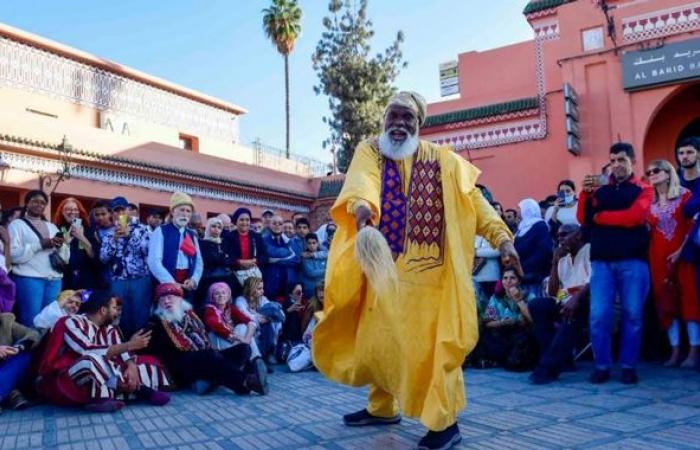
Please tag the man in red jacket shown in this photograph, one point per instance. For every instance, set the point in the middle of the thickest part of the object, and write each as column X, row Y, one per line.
column 615, row 215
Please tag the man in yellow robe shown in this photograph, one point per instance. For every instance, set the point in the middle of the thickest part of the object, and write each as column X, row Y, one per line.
column 409, row 348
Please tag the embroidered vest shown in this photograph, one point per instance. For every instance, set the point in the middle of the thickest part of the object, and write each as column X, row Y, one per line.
column 171, row 248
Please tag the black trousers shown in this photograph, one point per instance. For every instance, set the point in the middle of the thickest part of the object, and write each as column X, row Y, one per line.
column 211, row 366
column 555, row 336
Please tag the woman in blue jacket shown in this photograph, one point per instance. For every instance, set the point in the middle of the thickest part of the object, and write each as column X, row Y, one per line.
column 534, row 245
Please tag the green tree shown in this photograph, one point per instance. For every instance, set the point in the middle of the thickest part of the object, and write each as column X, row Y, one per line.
column 357, row 84
column 282, row 25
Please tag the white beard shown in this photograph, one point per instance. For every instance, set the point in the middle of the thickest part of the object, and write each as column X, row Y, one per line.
column 173, row 315
column 397, row 150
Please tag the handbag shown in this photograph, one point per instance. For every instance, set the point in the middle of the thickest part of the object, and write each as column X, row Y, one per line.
column 244, row 274
column 57, row 263
column 299, row 358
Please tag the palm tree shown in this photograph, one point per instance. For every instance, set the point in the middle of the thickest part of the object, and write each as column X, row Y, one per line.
column 282, row 25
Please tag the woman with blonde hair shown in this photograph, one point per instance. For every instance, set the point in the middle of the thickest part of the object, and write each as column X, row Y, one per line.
column 673, row 281
column 266, row 314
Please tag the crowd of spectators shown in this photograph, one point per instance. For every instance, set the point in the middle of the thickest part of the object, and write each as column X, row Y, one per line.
column 612, row 266
column 98, row 308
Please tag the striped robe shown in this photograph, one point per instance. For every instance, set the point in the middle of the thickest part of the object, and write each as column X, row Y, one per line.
column 92, row 369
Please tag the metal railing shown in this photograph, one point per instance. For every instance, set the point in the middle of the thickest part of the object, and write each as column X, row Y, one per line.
column 275, row 158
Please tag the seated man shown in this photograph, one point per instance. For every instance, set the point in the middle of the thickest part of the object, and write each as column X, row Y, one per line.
column 568, row 288
column 180, row 340
column 67, row 303
column 15, row 342
column 86, row 363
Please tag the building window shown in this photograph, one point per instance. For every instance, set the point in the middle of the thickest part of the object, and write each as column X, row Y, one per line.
column 188, row 142
column 593, row 39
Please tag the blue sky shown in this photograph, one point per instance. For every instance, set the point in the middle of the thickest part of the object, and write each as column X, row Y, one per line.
column 218, row 47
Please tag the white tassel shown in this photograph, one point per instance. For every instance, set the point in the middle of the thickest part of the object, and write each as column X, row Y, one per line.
column 374, row 255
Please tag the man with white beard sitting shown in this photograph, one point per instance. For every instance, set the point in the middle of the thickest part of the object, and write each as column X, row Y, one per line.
column 180, row 340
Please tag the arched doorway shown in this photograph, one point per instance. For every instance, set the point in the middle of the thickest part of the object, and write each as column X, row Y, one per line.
column 692, row 130
column 678, row 118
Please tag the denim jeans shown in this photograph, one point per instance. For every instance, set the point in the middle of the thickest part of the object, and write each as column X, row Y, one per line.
column 629, row 280
column 266, row 339
column 137, row 299
column 12, row 371
column 33, row 294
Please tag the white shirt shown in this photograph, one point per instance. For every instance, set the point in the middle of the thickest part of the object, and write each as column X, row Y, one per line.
column 575, row 272
column 48, row 316
column 566, row 215
column 492, row 269
column 28, row 258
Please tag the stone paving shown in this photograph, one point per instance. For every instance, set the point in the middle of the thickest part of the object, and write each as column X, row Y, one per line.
column 304, row 411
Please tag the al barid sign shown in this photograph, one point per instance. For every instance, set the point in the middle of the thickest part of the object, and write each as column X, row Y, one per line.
column 671, row 63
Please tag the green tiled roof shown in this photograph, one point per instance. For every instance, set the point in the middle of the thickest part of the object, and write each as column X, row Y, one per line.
column 540, row 5
column 481, row 112
column 330, row 188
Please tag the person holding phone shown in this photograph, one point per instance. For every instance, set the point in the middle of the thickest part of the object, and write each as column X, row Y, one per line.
column 564, row 209
column 71, row 218
column 615, row 215
column 33, row 241
column 124, row 251
column 86, row 362
column 15, row 342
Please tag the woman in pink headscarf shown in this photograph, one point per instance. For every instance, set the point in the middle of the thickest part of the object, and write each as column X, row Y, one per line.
column 230, row 331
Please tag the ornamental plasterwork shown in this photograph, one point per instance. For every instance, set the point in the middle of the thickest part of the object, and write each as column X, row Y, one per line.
column 661, row 23
column 35, row 164
column 547, row 28
column 29, row 68
column 491, row 136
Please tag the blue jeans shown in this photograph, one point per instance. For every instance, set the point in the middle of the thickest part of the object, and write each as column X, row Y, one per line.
column 33, row 294
column 12, row 371
column 628, row 279
column 137, row 299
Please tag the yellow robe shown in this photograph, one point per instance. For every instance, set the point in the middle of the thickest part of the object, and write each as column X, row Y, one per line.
column 410, row 347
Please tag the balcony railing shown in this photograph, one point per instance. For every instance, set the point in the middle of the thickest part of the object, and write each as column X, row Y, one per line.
column 274, row 158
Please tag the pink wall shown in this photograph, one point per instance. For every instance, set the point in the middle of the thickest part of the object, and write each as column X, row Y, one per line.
column 650, row 119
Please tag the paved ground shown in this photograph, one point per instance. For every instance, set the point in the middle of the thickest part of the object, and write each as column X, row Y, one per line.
column 304, row 410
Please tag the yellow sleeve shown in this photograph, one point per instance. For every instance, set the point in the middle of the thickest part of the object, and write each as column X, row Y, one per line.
column 362, row 183
column 488, row 222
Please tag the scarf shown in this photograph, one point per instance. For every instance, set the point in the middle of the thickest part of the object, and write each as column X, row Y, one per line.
column 187, row 335
column 530, row 214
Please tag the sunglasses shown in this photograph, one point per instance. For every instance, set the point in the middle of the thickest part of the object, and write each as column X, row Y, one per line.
column 654, row 171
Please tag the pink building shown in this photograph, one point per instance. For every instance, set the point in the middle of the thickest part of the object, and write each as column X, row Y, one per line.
column 637, row 80
column 128, row 133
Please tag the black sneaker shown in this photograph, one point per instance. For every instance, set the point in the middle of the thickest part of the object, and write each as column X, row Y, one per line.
column 599, row 376
column 629, row 376
column 364, row 418
column 441, row 440
column 260, row 369
column 253, row 383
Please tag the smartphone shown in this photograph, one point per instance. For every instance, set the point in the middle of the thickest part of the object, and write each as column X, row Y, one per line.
column 561, row 196
column 78, row 223
column 59, row 235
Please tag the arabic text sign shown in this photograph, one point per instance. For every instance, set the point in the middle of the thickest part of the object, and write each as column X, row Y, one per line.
column 674, row 62
column 449, row 78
